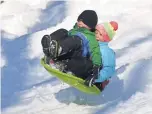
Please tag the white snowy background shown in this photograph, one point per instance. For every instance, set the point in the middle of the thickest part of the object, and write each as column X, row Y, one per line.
column 26, row 87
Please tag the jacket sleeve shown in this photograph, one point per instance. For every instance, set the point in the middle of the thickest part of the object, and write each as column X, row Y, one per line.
column 105, row 73
column 95, row 53
column 108, row 68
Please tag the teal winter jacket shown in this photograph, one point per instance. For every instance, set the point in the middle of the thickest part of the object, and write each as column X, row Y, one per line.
column 108, row 62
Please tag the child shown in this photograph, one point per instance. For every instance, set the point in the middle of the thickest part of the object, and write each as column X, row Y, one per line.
column 78, row 47
column 104, row 34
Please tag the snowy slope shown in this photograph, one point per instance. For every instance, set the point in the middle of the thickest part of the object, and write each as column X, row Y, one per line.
column 28, row 89
column 29, row 16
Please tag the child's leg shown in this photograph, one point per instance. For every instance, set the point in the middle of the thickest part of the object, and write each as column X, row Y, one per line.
column 58, row 36
column 80, row 66
column 72, row 45
column 102, row 85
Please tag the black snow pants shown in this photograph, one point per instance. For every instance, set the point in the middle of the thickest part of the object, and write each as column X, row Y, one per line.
column 72, row 53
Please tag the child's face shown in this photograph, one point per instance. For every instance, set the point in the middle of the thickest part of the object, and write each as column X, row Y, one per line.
column 80, row 24
column 99, row 35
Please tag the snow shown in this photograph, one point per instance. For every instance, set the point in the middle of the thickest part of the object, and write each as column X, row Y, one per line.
column 3, row 62
column 24, row 15
column 3, row 59
column 140, row 103
column 28, row 89
column 17, row 17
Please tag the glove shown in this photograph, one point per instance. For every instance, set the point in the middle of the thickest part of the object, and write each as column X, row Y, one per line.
column 89, row 81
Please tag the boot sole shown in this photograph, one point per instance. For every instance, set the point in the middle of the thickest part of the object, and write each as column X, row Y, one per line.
column 46, row 41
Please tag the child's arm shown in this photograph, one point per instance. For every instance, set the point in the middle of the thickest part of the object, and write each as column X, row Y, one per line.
column 108, row 62
column 95, row 52
column 105, row 73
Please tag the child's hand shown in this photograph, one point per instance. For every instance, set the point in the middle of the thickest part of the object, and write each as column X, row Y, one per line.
column 91, row 79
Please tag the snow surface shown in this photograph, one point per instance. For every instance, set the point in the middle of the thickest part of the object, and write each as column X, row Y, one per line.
column 3, row 60
column 28, row 89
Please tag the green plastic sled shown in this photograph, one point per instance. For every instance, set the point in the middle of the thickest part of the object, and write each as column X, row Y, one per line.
column 74, row 81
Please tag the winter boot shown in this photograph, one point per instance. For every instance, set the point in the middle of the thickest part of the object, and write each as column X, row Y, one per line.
column 47, row 60
column 46, row 44
column 55, row 49
column 51, row 48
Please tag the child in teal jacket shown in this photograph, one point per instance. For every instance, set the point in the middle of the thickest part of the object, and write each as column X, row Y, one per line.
column 104, row 34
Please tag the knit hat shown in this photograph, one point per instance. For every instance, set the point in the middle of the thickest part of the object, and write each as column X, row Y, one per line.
column 109, row 28
column 88, row 17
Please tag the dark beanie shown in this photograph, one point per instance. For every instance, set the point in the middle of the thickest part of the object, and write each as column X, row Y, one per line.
column 88, row 17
